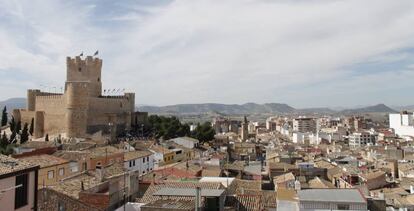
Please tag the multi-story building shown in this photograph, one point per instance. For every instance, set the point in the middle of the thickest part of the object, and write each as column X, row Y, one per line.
column 358, row 139
column 18, row 184
column 52, row 168
column 140, row 161
column 304, row 124
column 403, row 123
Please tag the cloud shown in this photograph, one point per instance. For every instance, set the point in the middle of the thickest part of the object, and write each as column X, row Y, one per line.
column 234, row 51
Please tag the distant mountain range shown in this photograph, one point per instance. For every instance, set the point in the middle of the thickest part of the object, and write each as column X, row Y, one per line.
column 380, row 108
column 234, row 109
column 13, row 103
column 253, row 108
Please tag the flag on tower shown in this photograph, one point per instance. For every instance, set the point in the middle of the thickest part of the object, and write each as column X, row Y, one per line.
column 96, row 53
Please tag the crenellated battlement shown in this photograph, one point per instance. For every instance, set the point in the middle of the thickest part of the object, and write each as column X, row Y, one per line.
column 85, row 70
column 49, row 96
column 81, row 109
column 89, row 61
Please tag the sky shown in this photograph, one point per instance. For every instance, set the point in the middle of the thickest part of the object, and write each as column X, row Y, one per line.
column 306, row 53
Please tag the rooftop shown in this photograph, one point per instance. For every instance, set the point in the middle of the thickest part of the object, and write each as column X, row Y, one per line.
column 132, row 155
column 171, row 204
column 332, row 195
column 73, row 186
column 102, row 151
column 188, row 192
column 44, row 160
column 10, row 165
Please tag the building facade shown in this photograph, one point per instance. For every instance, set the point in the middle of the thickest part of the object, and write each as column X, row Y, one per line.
column 18, row 184
column 403, row 124
column 304, row 124
column 82, row 108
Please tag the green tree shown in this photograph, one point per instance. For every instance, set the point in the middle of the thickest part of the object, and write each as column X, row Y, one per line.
column 25, row 134
column 12, row 137
column 31, row 129
column 204, row 132
column 4, row 141
column 4, row 117
column 18, row 127
column 47, row 137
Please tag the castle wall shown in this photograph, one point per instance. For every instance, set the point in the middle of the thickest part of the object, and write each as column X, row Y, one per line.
column 54, row 113
column 104, row 110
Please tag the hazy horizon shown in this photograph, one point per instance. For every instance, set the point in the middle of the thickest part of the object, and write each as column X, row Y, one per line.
column 302, row 53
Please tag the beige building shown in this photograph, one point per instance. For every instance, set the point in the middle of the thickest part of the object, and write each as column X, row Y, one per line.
column 82, row 108
column 52, row 169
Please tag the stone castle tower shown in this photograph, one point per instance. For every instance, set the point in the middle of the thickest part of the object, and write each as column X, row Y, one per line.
column 81, row 109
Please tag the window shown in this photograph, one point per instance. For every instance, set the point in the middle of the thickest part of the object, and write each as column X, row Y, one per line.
column 73, row 167
column 143, row 160
column 84, row 166
column 79, row 69
column 343, row 206
column 130, row 163
column 21, row 192
column 99, row 79
column 50, row 174
column 61, row 171
column 133, row 163
column 147, row 159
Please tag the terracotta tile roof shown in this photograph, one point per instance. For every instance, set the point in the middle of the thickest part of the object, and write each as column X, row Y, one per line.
column 269, row 198
column 249, row 202
column 160, row 149
column 102, row 151
column 72, row 155
column 133, row 155
column 10, row 165
column 44, row 160
column 171, row 204
column 320, row 183
column 111, row 170
column 72, row 186
column 284, row 178
column 148, row 196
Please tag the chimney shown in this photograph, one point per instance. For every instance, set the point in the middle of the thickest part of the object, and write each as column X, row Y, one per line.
column 411, row 189
column 99, row 173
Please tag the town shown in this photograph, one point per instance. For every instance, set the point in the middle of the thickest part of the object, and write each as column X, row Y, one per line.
column 85, row 149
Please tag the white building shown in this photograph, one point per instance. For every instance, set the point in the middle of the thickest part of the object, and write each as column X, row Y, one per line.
column 358, row 139
column 140, row 161
column 402, row 124
column 188, row 142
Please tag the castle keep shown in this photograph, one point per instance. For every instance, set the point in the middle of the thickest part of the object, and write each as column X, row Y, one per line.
column 81, row 109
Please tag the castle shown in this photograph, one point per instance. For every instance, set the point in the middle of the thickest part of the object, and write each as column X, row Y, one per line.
column 81, row 109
